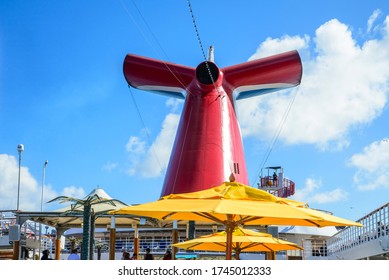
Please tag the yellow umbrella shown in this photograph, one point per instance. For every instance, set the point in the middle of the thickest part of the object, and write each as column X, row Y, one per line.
column 242, row 240
column 234, row 204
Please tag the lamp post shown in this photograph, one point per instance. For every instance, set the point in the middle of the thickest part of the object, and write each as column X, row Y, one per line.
column 43, row 182
column 16, row 243
column 40, row 224
column 20, row 150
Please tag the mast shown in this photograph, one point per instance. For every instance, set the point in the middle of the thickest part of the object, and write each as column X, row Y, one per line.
column 211, row 56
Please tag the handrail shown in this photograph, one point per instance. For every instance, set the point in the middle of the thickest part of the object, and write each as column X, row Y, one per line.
column 375, row 225
column 270, row 184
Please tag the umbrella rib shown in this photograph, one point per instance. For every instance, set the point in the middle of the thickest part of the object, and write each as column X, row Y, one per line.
column 190, row 247
column 315, row 224
column 253, row 244
column 166, row 216
column 249, row 219
column 267, row 247
column 220, row 244
column 208, row 216
column 201, row 214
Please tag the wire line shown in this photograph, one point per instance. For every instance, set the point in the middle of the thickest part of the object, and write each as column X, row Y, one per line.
column 276, row 135
column 146, row 130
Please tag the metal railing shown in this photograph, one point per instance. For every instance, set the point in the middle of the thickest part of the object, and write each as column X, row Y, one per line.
column 375, row 225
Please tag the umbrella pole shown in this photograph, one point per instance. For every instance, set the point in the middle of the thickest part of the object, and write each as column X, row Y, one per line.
column 174, row 240
column 237, row 254
column 112, row 239
column 271, row 255
column 136, row 241
column 229, row 229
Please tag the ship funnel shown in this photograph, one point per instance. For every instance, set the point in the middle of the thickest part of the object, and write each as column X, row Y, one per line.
column 207, row 73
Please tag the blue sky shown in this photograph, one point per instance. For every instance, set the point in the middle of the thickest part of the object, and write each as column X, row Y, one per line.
column 63, row 95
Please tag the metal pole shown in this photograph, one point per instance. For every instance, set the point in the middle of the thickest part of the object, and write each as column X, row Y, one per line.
column 211, row 56
column 40, row 224
column 175, row 239
column 20, row 150
column 43, row 182
column 16, row 244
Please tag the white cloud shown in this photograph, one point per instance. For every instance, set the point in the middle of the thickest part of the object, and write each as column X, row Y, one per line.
column 344, row 86
column 372, row 166
column 174, row 104
column 109, row 166
column 48, row 194
column 372, row 19
column 161, row 149
column 73, row 191
column 335, row 195
column 69, row 191
column 311, row 193
column 279, row 45
column 135, row 145
column 153, row 161
column 310, row 186
column 30, row 189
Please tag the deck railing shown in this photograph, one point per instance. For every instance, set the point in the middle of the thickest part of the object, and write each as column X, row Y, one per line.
column 375, row 225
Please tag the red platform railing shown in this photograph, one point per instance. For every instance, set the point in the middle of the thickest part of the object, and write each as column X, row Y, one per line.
column 270, row 184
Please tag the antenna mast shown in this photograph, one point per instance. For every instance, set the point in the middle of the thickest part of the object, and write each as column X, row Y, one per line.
column 211, row 57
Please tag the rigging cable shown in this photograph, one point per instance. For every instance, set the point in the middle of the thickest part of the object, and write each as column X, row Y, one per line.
column 208, row 69
column 196, row 29
column 148, row 41
column 167, row 66
column 200, row 44
column 210, row 73
column 164, row 53
column 140, row 29
column 276, row 135
column 146, row 130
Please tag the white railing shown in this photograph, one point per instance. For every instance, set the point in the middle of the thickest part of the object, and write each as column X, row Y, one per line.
column 375, row 225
